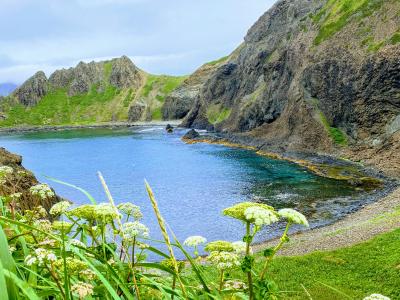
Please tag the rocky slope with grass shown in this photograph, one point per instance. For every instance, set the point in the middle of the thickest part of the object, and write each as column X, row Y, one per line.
column 312, row 76
column 95, row 92
column 18, row 182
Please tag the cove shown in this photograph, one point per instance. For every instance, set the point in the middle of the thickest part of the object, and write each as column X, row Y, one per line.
column 193, row 183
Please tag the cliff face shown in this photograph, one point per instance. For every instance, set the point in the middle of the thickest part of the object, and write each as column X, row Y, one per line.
column 311, row 75
column 20, row 181
column 114, row 90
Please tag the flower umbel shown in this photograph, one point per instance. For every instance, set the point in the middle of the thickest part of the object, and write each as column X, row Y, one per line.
column 224, row 260
column 376, row 297
column 293, row 216
column 82, row 289
column 260, row 216
column 59, row 208
column 131, row 210
column 42, row 190
column 133, row 230
column 194, row 241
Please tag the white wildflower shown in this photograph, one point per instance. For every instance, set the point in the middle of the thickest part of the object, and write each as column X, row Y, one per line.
column 44, row 225
column 293, row 216
column 82, row 289
column 76, row 242
column 59, row 208
column 30, row 260
column 48, row 242
column 42, row 190
column 15, row 196
column 105, row 212
column 12, row 249
column 131, row 210
column 376, row 297
column 260, row 216
column 134, row 230
column 194, row 241
column 224, row 260
column 40, row 257
column 240, row 247
column 6, row 170
column 88, row 274
column 235, row 285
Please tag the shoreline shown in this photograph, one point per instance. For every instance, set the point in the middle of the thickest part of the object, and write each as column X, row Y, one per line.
column 378, row 213
column 352, row 227
column 106, row 125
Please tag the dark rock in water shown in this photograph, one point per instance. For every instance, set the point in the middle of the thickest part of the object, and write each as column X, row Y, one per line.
column 20, row 181
column 191, row 134
column 169, row 128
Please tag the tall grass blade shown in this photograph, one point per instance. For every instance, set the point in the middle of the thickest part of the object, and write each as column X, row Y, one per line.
column 8, row 264
column 164, row 232
column 22, row 285
column 3, row 284
column 90, row 197
column 335, row 290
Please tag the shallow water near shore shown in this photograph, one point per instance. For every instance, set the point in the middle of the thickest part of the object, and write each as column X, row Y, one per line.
column 192, row 183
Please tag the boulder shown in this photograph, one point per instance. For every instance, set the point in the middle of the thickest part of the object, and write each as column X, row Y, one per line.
column 191, row 134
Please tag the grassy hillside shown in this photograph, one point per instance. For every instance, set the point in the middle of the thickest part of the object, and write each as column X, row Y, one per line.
column 348, row 273
column 154, row 91
column 100, row 104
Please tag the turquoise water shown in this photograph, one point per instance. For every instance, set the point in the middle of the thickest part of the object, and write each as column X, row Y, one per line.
column 192, row 183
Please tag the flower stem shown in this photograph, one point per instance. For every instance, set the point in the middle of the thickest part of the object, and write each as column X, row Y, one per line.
column 221, row 280
column 275, row 250
column 249, row 275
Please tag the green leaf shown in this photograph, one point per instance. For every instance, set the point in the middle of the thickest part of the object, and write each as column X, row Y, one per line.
column 22, row 285
column 8, row 264
column 90, row 197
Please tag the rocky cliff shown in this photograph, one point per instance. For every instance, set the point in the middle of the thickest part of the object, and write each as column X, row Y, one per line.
column 311, row 75
column 114, row 90
column 19, row 182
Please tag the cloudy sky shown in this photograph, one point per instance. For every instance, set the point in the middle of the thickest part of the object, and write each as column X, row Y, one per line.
column 160, row 36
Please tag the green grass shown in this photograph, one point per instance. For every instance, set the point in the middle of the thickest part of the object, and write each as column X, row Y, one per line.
column 357, row 271
column 156, row 114
column 336, row 14
column 162, row 83
column 217, row 61
column 216, row 113
column 395, row 39
column 56, row 108
column 335, row 133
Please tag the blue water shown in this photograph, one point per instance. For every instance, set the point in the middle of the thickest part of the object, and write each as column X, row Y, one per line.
column 192, row 183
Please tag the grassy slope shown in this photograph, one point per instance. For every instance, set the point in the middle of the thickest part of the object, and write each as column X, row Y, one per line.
column 112, row 104
column 357, row 271
column 156, row 88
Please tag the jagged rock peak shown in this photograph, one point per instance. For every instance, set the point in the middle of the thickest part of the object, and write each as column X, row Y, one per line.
column 124, row 73
column 32, row 90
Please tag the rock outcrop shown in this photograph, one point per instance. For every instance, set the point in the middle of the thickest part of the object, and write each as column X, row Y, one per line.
column 34, row 89
column 20, row 181
column 301, row 82
column 180, row 101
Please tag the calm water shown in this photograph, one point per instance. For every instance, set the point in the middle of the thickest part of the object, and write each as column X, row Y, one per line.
column 192, row 183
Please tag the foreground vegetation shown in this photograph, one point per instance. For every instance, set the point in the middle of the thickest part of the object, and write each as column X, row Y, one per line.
column 99, row 251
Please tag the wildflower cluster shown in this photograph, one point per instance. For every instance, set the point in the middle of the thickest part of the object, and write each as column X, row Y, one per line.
column 194, row 241
column 82, row 289
column 376, row 297
column 260, row 216
column 224, row 260
column 40, row 257
column 133, row 230
column 130, row 209
column 42, row 190
column 293, row 216
column 59, row 208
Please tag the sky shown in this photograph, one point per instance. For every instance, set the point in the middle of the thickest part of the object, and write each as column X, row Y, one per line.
column 161, row 36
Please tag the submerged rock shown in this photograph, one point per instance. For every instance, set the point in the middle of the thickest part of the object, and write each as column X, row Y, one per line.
column 169, row 128
column 191, row 134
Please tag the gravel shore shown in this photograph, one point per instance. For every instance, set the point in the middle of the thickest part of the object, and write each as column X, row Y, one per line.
column 373, row 219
